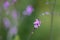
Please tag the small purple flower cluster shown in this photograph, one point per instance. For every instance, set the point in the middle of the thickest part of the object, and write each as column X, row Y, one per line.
column 13, row 28
column 6, row 22
column 37, row 23
column 7, row 4
column 28, row 10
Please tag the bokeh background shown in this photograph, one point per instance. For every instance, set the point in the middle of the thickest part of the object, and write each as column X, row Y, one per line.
column 50, row 23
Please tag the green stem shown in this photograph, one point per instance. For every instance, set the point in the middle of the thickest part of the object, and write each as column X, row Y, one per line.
column 51, row 30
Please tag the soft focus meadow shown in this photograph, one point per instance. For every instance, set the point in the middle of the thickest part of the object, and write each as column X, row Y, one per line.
column 29, row 19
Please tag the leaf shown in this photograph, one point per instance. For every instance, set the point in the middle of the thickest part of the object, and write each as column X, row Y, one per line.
column 17, row 37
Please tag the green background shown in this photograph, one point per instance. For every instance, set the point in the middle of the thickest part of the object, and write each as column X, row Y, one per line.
column 26, row 26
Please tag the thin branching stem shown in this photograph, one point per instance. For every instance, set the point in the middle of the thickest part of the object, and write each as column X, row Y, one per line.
column 52, row 14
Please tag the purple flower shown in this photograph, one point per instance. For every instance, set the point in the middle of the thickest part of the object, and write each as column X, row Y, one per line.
column 6, row 4
column 13, row 1
column 28, row 10
column 6, row 22
column 14, row 14
column 13, row 31
column 37, row 23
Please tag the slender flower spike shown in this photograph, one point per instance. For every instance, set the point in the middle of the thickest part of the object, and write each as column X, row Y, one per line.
column 37, row 23
column 6, row 22
column 6, row 4
column 28, row 10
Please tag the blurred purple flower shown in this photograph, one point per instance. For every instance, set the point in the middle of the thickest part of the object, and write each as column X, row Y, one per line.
column 46, row 13
column 13, row 31
column 6, row 22
column 28, row 10
column 14, row 14
column 6, row 4
column 13, row 1
column 37, row 23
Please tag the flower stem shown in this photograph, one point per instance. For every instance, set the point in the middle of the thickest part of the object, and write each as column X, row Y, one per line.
column 51, row 29
column 31, row 33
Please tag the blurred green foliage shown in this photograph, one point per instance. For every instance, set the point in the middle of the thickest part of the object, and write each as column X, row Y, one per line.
column 26, row 26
